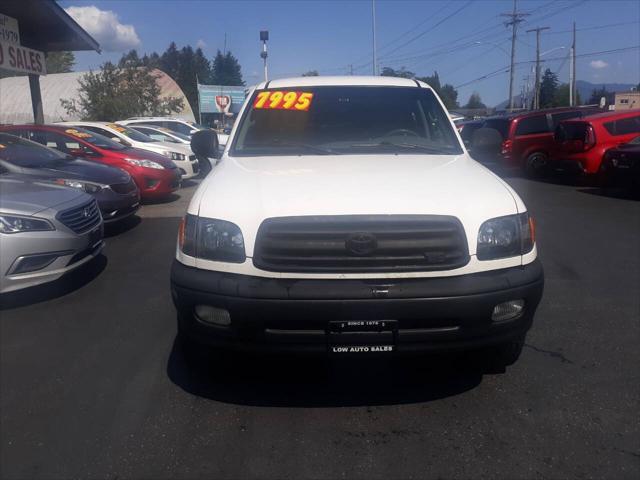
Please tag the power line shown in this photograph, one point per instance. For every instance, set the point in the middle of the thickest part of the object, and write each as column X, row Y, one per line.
column 505, row 69
column 413, row 39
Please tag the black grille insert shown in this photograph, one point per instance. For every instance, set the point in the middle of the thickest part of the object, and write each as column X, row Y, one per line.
column 81, row 219
column 361, row 243
column 124, row 188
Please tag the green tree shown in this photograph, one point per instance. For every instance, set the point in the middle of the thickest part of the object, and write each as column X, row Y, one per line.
column 475, row 101
column 562, row 96
column 114, row 93
column 60, row 62
column 548, row 89
column 226, row 70
column 311, row 73
column 449, row 96
column 402, row 73
column 170, row 61
column 130, row 59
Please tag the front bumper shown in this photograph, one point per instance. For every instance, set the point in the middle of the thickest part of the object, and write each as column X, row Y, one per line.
column 156, row 183
column 115, row 206
column 70, row 251
column 294, row 315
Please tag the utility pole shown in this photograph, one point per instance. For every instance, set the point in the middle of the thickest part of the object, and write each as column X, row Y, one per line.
column 373, row 19
column 536, row 96
column 515, row 18
column 351, row 69
column 573, row 95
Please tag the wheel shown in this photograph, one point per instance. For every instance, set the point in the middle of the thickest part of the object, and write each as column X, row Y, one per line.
column 535, row 164
column 499, row 357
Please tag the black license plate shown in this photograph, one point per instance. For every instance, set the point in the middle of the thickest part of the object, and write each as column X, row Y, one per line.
column 362, row 336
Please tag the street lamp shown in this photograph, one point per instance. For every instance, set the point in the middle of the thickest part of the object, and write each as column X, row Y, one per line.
column 264, row 36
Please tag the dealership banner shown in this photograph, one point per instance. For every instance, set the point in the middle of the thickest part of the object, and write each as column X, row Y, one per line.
column 221, row 98
column 21, row 59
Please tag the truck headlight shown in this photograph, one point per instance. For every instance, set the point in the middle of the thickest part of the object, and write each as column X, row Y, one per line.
column 18, row 224
column 211, row 239
column 503, row 237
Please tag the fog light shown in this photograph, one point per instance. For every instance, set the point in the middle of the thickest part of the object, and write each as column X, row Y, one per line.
column 213, row 315
column 507, row 310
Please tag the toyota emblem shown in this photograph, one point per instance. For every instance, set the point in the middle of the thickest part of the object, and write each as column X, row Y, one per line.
column 361, row 244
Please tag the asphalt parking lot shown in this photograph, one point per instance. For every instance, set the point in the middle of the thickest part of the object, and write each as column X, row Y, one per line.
column 92, row 384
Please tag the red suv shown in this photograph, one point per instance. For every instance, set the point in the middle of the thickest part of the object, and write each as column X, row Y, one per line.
column 528, row 136
column 582, row 144
column 155, row 175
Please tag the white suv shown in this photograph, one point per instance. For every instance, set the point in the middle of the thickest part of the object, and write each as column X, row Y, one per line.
column 176, row 124
column 345, row 216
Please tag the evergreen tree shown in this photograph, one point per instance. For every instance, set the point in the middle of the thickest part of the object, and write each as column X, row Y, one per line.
column 475, row 102
column 548, row 89
column 226, row 70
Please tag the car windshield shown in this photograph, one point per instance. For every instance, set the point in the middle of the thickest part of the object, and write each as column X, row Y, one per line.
column 173, row 133
column 345, row 119
column 28, row 154
column 95, row 139
column 131, row 133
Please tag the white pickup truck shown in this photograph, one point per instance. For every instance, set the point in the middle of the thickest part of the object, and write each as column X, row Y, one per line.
column 346, row 217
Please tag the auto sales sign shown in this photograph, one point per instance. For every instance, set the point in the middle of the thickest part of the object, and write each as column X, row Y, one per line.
column 14, row 56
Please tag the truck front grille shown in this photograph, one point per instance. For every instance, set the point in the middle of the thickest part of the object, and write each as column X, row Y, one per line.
column 361, row 243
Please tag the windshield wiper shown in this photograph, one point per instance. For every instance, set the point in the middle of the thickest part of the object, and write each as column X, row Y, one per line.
column 308, row 146
column 414, row 146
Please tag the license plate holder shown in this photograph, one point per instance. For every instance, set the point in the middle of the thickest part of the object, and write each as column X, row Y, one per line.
column 347, row 337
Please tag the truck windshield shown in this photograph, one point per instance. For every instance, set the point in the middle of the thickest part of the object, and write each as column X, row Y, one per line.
column 344, row 120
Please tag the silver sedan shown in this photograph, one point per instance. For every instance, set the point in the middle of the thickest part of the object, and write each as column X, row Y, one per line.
column 45, row 232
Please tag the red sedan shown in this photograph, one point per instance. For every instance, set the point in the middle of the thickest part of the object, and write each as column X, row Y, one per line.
column 582, row 144
column 155, row 175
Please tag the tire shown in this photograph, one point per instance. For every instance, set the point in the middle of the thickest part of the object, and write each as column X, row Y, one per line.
column 535, row 164
column 499, row 357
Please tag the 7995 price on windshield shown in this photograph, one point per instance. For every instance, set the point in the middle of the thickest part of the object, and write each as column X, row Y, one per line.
column 283, row 100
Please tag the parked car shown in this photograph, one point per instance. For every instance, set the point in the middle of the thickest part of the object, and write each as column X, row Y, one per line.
column 162, row 134
column 528, row 136
column 155, row 175
column 582, row 144
column 115, row 191
column 621, row 166
column 349, row 219
column 46, row 230
column 180, row 154
column 466, row 130
column 174, row 124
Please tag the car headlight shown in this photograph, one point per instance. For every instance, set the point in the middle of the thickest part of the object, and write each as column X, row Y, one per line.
column 144, row 163
column 508, row 236
column 177, row 156
column 18, row 224
column 88, row 187
column 211, row 239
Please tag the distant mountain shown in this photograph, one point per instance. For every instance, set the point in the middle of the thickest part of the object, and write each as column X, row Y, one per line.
column 584, row 89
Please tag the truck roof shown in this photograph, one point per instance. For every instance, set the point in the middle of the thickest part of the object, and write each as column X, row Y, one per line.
column 347, row 80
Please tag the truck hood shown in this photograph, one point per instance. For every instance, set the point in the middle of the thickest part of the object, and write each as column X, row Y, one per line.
column 247, row 190
column 22, row 196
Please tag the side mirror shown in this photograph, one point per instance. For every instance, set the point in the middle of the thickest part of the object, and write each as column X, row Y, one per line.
column 204, row 143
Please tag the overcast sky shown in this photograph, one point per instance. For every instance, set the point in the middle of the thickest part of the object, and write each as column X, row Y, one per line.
column 463, row 40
